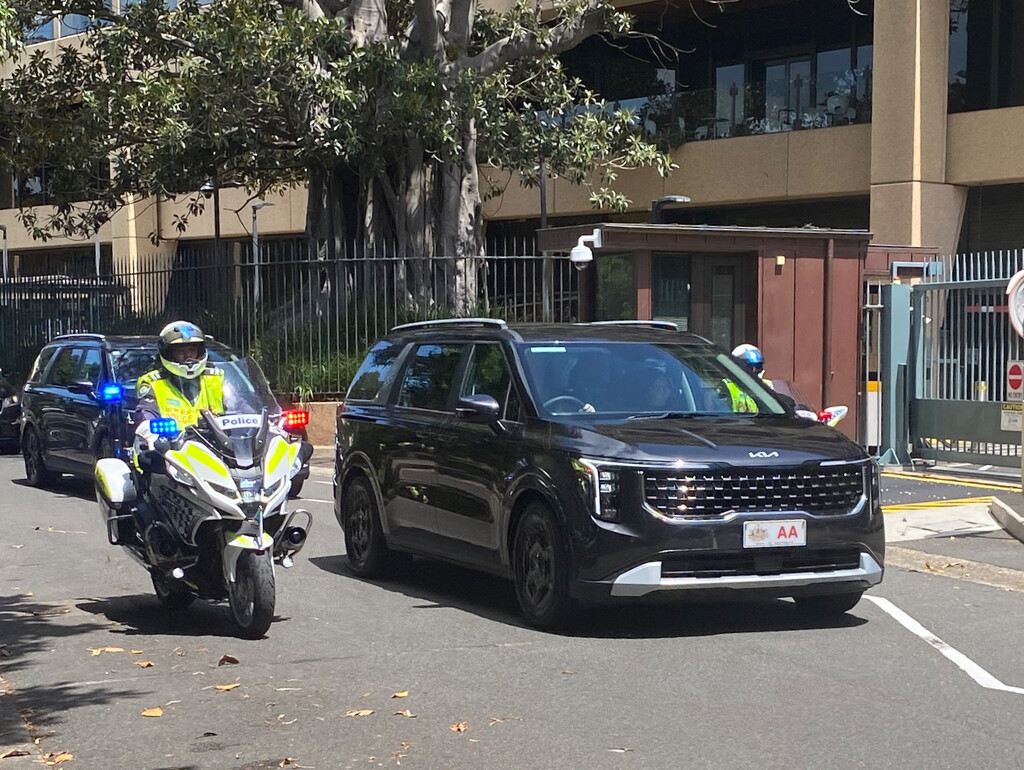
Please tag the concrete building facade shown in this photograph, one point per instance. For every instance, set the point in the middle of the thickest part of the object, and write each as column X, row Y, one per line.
column 897, row 118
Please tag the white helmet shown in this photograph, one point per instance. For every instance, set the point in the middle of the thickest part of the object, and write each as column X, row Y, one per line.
column 182, row 333
column 750, row 357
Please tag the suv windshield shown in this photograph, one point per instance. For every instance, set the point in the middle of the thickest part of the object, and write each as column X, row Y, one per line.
column 625, row 379
column 245, row 386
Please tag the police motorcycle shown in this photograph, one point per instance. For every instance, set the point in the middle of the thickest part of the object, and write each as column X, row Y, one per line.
column 204, row 508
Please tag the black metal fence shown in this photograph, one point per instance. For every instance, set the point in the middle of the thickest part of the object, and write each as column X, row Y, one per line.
column 308, row 320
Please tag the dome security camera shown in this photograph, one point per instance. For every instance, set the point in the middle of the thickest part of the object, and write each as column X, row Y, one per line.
column 581, row 254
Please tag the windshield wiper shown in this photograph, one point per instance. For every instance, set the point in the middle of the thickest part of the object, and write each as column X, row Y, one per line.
column 670, row 415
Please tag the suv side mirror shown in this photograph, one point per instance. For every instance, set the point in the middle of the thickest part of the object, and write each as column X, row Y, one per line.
column 481, row 407
column 82, row 388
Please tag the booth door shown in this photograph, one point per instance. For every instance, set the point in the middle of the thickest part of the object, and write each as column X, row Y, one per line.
column 709, row 294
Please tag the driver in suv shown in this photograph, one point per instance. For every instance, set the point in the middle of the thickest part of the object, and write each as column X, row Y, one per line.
column 595, row 462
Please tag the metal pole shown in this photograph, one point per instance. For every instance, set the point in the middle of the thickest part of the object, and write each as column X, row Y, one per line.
column 216, row 218
column 3, row 229
column 255, row 258
column 96, row 250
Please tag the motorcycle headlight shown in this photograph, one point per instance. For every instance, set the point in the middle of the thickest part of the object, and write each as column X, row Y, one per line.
column 600, row 485
column 224, row 490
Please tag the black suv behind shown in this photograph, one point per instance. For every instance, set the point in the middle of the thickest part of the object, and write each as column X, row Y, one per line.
column 599, row 461
column 67, row 425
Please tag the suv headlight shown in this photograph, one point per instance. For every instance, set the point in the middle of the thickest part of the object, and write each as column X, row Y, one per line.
column 600, row 486
column 9, row 401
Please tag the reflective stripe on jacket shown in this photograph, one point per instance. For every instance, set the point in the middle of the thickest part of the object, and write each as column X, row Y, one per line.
column 741, row 402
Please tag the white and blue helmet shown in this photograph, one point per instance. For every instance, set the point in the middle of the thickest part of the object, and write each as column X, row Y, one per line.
column 750, row 357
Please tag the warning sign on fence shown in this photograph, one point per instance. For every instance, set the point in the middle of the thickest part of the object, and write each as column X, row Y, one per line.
column 1009, row 416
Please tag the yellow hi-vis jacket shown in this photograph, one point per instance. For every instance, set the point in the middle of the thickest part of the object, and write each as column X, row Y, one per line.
column 741, row 402
column 172, row 403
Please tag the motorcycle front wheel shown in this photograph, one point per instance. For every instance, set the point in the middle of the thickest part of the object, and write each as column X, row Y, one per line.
column 251, row 596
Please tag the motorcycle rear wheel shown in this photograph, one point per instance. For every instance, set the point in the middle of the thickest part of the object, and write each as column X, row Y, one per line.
column 251, row 596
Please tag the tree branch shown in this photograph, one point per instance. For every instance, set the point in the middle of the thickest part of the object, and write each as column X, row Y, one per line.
column 562, row 37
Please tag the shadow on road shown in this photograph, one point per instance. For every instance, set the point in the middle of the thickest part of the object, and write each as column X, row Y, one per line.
column 66, row 486
column 27, row 628
column 445, row 585
column 143, row 614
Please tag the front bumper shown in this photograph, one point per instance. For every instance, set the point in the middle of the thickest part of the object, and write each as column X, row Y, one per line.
column 648, row 577
column 10, row 426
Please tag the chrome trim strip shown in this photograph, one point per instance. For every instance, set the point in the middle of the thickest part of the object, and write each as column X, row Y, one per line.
column 647, row 578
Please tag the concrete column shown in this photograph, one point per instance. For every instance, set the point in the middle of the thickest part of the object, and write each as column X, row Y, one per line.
column 911, row 204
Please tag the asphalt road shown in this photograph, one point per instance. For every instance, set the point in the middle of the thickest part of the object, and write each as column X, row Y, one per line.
column 676, row 686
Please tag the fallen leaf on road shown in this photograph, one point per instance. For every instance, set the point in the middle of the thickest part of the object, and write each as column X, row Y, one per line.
column 405, row 713
column 57, row 758
column 16, row 546
column 14, row 753
column 153, row 712
column 226, row 687
column 403, row 694
column 358, row 712
column 209, row 734
column 619, row 751
column 568, row 672
column 226, row 659
column 287, row 689
column 136, row 652
column 280, row 718
column 4, row 651
column 458, row 727
column 145, row 664
column 53, row 531
column 495, row 721
column 97, row 650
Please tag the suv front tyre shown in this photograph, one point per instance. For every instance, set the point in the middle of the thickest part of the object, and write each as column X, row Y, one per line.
column 36, row 472
column 368, row 554
column 540, row 568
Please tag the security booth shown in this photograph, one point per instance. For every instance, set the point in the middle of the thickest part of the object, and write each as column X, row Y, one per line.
column 796, row 293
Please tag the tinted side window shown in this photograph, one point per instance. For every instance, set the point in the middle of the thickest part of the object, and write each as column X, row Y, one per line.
column 488, row 373
column 429, row 375
column 375, row 374
column 40, row 365
column 62, row 373
column 92, row 366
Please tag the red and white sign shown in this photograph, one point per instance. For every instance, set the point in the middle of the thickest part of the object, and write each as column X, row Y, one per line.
column 1015, row 380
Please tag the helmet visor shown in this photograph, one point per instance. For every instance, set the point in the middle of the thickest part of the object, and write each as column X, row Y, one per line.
column 184, row 352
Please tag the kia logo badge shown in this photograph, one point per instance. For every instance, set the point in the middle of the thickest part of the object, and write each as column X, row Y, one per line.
column 763, row 455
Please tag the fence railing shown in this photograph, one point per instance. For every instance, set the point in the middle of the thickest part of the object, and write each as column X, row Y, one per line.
column 306, row 319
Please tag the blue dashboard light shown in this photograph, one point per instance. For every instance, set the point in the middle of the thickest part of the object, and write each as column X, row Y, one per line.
column 164, row 426
column 111, row 393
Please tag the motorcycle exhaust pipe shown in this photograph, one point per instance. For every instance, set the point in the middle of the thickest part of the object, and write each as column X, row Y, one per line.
column 291, row 537
column 295, row 536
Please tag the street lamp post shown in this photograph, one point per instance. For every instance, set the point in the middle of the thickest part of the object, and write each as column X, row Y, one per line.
column 210, row 189
column 3, row 229
column 658, row 205
column 256, row 252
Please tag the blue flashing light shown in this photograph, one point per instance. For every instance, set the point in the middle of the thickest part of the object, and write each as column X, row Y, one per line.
column 111, row 393
column 164, row 426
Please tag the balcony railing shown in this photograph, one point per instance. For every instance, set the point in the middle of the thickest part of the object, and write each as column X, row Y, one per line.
column 832, row 99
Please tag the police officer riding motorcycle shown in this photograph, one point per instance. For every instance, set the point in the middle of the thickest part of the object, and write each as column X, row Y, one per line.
column 203, row 505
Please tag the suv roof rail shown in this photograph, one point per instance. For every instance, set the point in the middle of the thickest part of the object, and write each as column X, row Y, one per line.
column 671, row 326
column 78, row 336
column 496, row 323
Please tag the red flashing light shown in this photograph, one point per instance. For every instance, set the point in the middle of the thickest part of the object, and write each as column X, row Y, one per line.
column 294, row 419
column 824, row 415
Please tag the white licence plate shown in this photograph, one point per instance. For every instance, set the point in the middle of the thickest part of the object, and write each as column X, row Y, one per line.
column 774, row 534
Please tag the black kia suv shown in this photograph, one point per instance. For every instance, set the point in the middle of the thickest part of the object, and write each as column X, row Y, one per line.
column 599, row 461
column 70, row 417
column 10, row 414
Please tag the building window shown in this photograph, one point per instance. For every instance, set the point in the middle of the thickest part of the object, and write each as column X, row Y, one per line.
column 616, row 287
column 41, row 33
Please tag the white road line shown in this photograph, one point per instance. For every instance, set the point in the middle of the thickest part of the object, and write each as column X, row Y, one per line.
column 325, row 483
column 314, row 500
column 968, row 666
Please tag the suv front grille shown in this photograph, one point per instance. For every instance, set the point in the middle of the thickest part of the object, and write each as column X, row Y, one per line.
column 712, row 494
column 782, row 562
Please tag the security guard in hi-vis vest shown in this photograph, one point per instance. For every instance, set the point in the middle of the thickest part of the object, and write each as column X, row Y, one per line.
column 182, row 387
